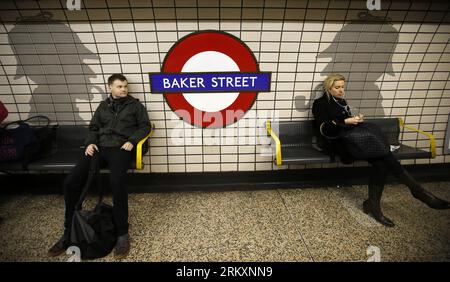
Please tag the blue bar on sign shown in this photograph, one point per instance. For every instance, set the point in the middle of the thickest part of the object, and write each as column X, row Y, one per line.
column 210, row 82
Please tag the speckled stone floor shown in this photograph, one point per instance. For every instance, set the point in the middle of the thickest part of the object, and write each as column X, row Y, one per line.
column 313, row 224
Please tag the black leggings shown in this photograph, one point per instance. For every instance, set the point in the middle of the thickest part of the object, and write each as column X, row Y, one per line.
column 118, row 161
column 380, row 167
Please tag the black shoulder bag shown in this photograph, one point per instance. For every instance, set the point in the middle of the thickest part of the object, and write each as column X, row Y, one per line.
column 365, row 141
column 27, row 140
column 93, row 231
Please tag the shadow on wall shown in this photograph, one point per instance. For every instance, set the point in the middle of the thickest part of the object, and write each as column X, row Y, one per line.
column 51, row 56
column 361, row 51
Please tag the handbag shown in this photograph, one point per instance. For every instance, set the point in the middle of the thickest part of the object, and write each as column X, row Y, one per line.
column 365, row 141
column 93, row 231
column 27, row 140
column 3, row 112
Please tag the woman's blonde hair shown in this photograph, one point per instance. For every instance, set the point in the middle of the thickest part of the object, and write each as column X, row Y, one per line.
column 329, row 81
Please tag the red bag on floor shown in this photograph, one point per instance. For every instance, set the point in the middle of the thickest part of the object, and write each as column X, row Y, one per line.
column 3, row 112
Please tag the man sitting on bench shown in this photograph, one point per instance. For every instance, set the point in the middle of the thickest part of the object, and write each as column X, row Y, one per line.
column 332, row 116
column 118, row 124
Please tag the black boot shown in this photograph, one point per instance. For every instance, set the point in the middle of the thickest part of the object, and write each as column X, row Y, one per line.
column 372, row 205
column 122, row 246
column 423, row 195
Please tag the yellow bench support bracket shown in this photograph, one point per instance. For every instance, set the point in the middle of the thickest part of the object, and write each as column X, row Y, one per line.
column 429, row 135
column 277, row 142
column 139, row 148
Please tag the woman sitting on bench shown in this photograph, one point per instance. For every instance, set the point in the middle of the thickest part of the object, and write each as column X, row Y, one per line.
column 332, row 117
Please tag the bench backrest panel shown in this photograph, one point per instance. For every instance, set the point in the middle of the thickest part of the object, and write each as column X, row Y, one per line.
column 71, row 136
column 295, row 132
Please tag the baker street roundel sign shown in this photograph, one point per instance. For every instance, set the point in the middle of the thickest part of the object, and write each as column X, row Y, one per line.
column 210, row 79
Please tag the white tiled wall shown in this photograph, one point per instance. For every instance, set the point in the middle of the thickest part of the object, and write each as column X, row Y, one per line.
column 397, row 64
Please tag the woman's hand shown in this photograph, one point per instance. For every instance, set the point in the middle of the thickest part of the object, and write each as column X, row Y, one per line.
column 354, row 120
column 361, row 117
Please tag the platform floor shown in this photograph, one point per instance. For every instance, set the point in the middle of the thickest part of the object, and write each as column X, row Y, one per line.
column 311, row 224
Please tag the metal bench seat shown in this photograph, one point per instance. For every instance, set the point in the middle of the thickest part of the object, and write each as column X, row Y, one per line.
column 407, row 152
column 294, row 142
column 67, row 151
column 303, row 155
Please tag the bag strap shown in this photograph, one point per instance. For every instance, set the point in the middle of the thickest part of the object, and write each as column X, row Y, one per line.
column 98, row 179
column 19, row 122
column 324, row 135
column 94, row 170
column 39, row 118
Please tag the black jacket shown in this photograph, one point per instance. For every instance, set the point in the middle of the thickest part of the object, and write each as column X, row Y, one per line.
column 117, row 121
column 326, row 111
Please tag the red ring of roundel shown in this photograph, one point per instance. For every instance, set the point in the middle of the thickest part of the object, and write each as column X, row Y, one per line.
column 199, row 42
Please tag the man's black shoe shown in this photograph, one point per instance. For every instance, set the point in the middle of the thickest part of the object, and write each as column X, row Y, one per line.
column 122, row 246
column 59, row 247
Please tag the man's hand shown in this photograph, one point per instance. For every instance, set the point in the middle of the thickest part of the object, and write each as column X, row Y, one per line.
column 90, row 149
column 128, row 146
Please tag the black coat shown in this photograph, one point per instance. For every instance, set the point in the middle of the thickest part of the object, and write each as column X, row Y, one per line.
column 326, row 111
column 117, row 121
